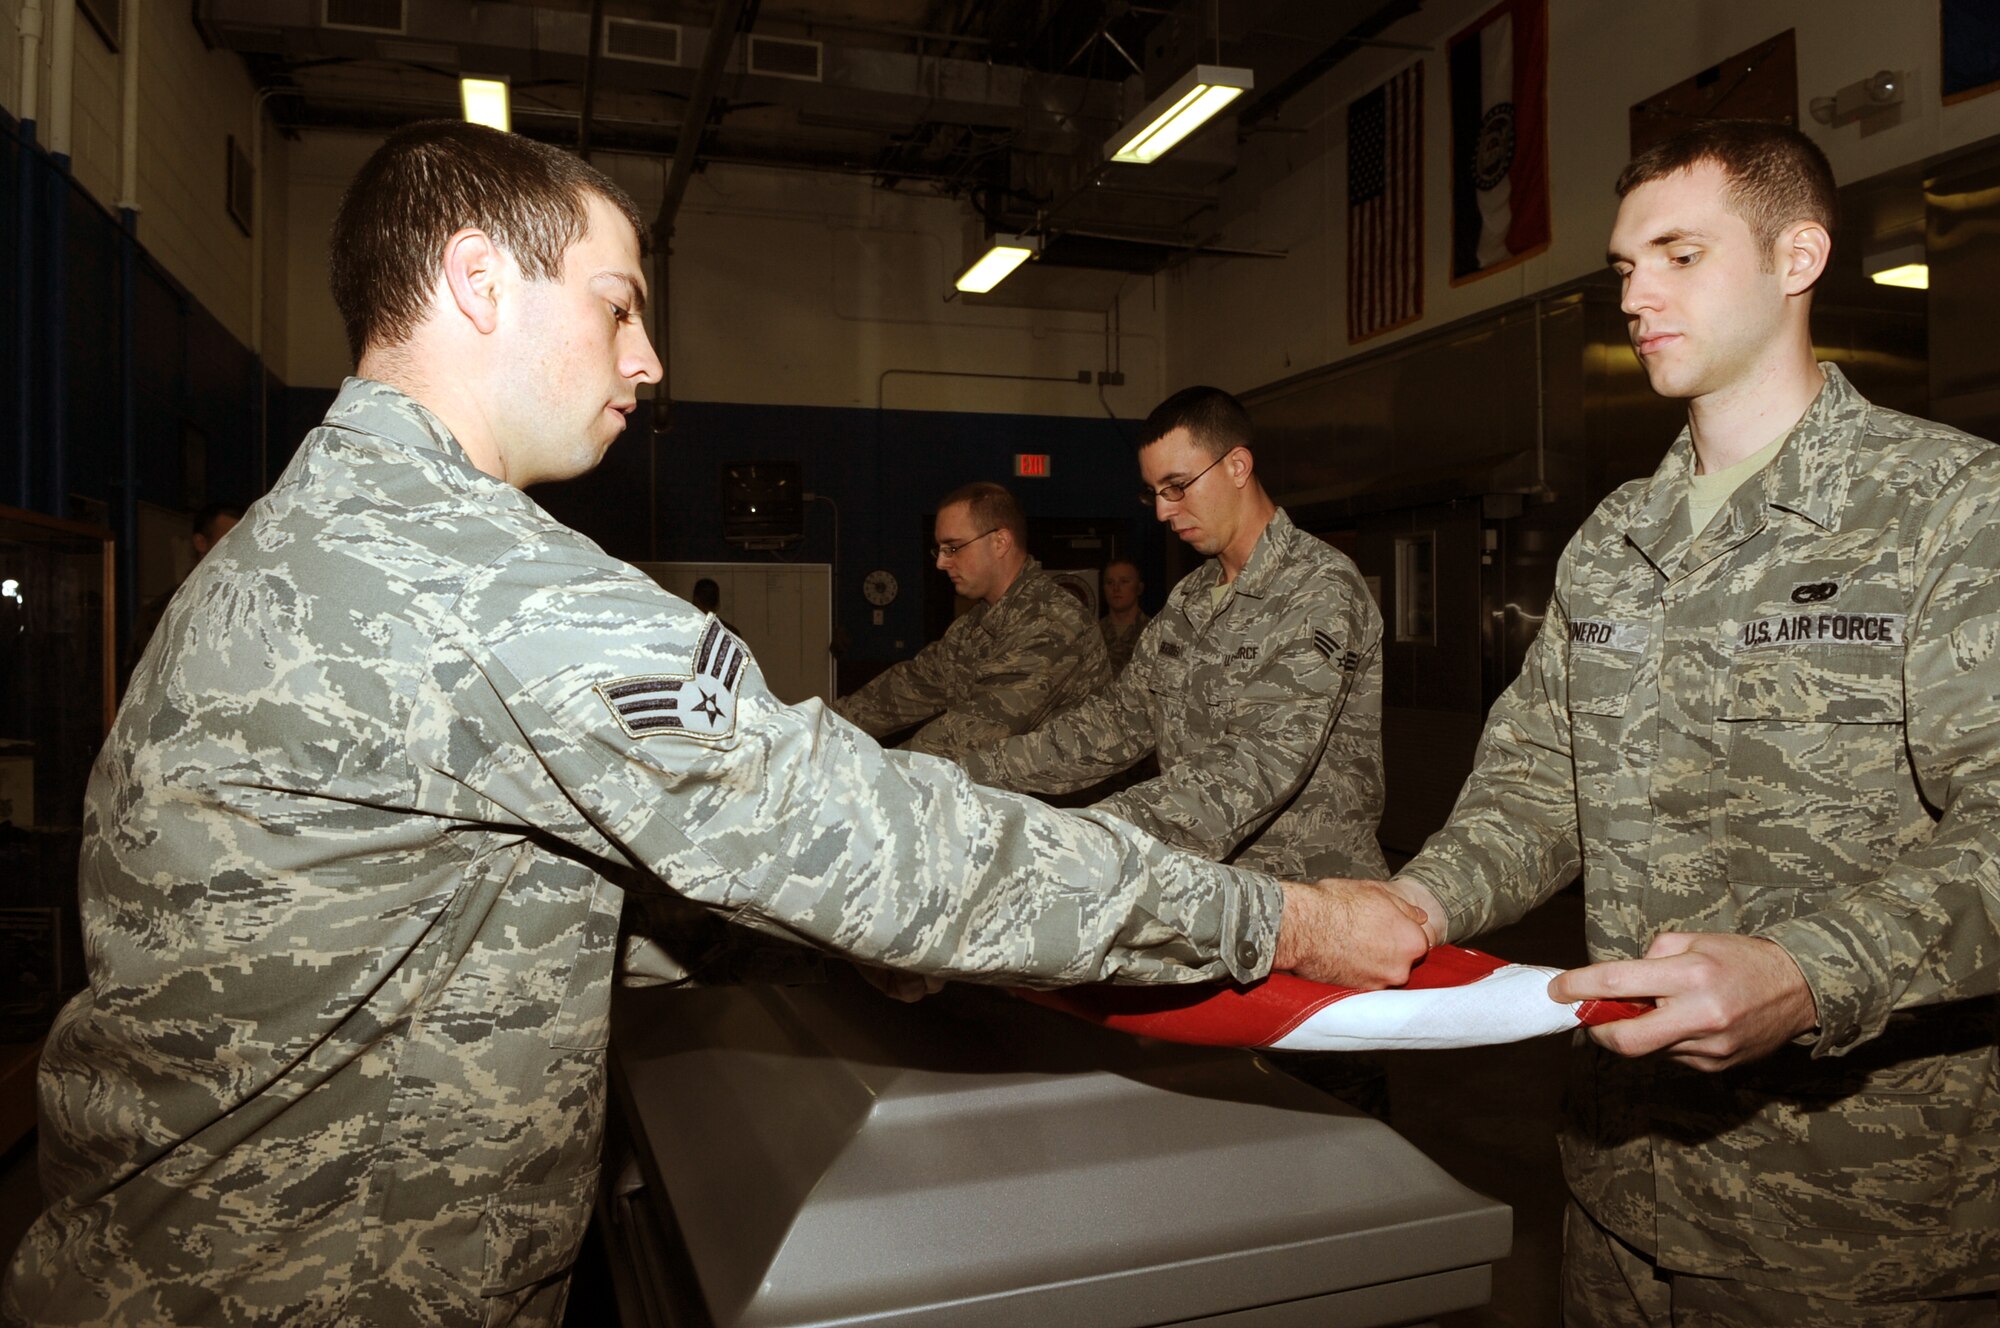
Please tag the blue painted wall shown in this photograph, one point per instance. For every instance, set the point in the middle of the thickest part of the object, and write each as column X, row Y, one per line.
column 207, row 424
column 884, row 469
column 194, row 433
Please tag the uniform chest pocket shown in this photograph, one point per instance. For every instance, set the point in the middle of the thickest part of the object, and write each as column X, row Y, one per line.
column 1817, row 685
column 1600, row 681
column 1816, row 769
column 1169, row 677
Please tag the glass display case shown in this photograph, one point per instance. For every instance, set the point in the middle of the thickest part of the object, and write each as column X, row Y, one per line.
column 56, row 703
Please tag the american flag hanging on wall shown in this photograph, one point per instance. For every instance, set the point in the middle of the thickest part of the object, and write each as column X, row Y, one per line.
column 1385, row 206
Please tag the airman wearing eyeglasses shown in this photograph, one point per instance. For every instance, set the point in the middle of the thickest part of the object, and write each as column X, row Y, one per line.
column 1259, row 685
column 1025, row 651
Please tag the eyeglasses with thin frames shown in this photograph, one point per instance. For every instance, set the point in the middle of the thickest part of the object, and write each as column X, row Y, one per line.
column 1173, row 493
column 949, row 549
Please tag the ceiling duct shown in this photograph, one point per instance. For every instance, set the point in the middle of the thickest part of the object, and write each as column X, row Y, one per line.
column 889, row 91
column 384, row 16
column 643, row 40
column 784, row 57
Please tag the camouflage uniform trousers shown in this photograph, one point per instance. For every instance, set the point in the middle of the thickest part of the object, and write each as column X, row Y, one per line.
column 1608, row 1284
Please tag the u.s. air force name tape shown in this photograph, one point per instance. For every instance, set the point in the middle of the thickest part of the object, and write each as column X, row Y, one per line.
column 1455, row 998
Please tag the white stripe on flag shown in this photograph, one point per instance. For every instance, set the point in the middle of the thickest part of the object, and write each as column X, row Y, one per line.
column 1507, row 1005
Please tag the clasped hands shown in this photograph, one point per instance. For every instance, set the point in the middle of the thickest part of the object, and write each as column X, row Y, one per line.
column 1720, row 999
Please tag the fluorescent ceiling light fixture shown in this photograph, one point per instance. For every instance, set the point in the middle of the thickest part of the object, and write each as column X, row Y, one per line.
column 1183, row 108
column 1903, row 265
column 1917, row 276
column 1003, row 254
column 485, row 101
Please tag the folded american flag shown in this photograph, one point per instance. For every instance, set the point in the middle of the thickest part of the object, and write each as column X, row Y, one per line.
column 1455, row 998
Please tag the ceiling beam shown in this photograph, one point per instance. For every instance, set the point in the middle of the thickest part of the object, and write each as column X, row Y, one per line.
column 701, row 104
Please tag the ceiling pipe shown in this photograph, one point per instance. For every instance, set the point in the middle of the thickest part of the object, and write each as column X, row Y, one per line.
column 62, row 76
column 30, row 82
column 1365, row 33
column 701, row 102
column 590, row 60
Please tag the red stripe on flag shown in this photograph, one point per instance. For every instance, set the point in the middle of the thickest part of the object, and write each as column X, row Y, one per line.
column 1252, row 1016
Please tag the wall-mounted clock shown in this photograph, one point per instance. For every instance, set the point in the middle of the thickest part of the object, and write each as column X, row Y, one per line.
column 879, row 588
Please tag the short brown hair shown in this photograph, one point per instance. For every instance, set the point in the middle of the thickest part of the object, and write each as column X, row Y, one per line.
column 1777, row 176
column 428, row 181
column 992, row 508
column 1216, row 421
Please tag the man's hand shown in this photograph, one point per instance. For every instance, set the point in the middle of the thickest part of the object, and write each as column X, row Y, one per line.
column 1351, row 933
column 1722, row 999
column 1419, row 896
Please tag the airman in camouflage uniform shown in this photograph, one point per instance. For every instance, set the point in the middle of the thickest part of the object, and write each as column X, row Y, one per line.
column 348, row 879
column 1026, row 650
column 1769, row 746
column 1123, row 620
column 1261, row 693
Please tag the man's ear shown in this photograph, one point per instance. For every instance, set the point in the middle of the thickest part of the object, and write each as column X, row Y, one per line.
column 472, row 276
column 1240, row 465
column 1803, row 253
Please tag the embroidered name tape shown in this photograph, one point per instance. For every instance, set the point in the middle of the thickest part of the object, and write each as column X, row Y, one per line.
column 1847, row 629
column 1626, row 638
column 700, row 705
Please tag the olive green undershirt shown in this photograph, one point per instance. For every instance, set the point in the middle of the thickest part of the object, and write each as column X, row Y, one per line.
column 1707, row 493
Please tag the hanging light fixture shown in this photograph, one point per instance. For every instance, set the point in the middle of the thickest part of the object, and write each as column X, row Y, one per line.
column 1190, row 103
column 1902, row 265
column 485, row 102
column 1003, row 254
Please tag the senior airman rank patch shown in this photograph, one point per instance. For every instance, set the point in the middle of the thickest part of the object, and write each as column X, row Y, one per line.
column 1344, row 660
column 700, row 705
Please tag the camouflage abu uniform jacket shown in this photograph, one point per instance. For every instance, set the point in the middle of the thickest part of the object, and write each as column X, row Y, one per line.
column 1120, row 641
column 345, row 895
column 999, row 669
column 1784, row 728
column 1266, row 713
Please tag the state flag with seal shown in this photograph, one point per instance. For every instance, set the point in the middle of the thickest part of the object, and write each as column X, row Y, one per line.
column 1499, row 72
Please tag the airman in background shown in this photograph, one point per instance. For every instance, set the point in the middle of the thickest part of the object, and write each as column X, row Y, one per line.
column 1123, row 619
column 1025, row 650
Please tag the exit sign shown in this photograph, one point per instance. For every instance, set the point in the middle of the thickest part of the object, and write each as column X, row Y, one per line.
column 1031, row 465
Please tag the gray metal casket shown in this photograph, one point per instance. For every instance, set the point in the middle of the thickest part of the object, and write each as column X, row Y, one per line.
column 823, row 1155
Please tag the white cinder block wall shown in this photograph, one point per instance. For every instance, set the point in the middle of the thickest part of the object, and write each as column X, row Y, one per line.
column 790, row 288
